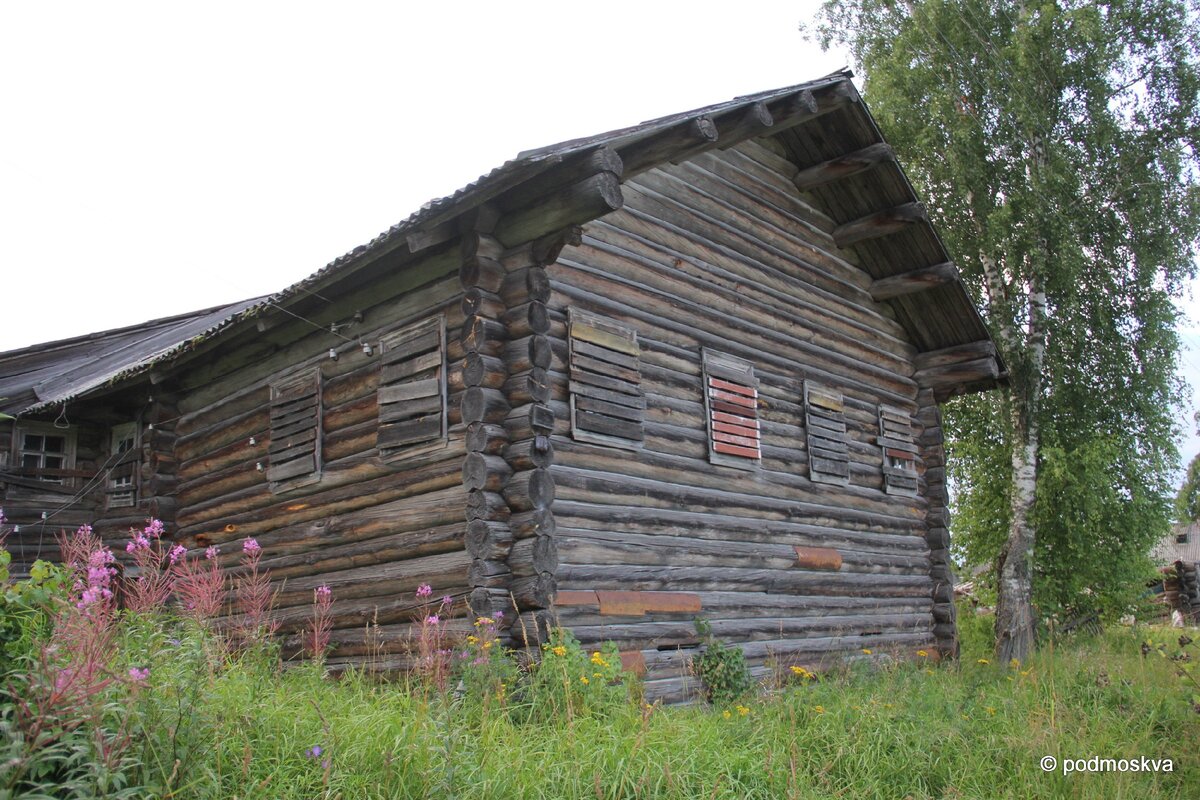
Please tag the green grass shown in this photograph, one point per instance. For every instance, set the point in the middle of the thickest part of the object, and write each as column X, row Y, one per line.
column 246, row 729
column 956, row 730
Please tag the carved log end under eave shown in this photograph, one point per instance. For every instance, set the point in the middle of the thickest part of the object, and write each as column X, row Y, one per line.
column 584, row 201
column 917, row 280
column 844, row 166
column 881, row 223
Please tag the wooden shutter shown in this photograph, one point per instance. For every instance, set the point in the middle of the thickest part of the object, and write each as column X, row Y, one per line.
column 607, row 403
column 828, row 443
column 295, row 449
column 412, row 390
column 731, row 408
column 899, row 451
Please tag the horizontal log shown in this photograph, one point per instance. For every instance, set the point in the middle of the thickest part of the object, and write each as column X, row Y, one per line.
column 526, row 319
column 525, row 285
column 754, row 120
column 917, row 280
column 680, row 138
column 480, row 302
column 484, row 472
column 480, row 405
column 535, row 591
column 528, row 352
column 487, row 505
column 528, row 387
column 483, row 335
column 529, row 454
column 483, row 370
column 880, row 223
column 961, row 373
column 592, row 197
column 489, row 540
column 485, row 437
column 530, row 490
column 537, row 522
column 726, row 578
column 844, row 166
column 534, row 555
column 957, row 354
column 479, row 272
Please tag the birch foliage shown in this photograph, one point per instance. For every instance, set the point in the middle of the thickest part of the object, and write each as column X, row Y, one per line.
column 1055, row 144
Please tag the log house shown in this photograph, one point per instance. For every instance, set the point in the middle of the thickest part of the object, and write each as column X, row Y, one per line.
column 686, row 368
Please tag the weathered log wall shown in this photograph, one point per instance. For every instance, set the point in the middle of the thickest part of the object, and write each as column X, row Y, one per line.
column 372, row 528
column 721, row 252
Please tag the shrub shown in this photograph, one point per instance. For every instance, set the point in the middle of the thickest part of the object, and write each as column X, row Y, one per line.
column 722, row 669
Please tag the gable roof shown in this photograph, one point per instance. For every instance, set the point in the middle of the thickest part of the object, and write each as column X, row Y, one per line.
column 876, row 197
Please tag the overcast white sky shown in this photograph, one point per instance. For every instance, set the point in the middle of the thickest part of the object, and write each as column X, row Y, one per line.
column 157, row 158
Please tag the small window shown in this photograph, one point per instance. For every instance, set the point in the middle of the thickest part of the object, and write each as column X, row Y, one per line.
column 295, row 449
column 45, row 451
column 731, row 408
column 828, row 442
column 412, row 390
column 899, row 451
column 607, row 403
column 1181, row 538
column 122, row 466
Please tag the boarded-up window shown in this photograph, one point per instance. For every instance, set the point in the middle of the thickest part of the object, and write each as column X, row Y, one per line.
column 412, row 390
column 899, row 451
column 731, row 408
column 607, row 403
column 295, row 451
column 123, row 460
column 828, row 443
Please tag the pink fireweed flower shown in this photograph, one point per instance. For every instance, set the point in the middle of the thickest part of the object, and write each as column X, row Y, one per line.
column 424, row 590
column 153, row 529
column 251, row 546
column 324, row 591
column 139, row 542
column 497, row 615
column 447, row 600
column 177, row 553
column 211, row 552
column 432, row 619
column 139, row 674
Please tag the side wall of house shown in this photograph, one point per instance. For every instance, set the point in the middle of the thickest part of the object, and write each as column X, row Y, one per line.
column 721, row 255
column 380, row 515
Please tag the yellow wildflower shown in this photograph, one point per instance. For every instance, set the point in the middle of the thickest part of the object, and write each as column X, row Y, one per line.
column 1015, row 663
column 481, row 621
column 726, row 714
column 928, row 671
column 472, row 639
column 801, row 671
column 983, row 661
column 1025, row 673
column 558, row 650
column 991, row 710
column 923, row 654
column 583, row 679
column 867, row 651
column 743, row 711
column 819, row 709
column 487, row 645
column 597, row 675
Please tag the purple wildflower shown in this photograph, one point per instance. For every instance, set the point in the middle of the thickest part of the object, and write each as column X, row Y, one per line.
column 497, row 615
column 314, row 751
column 324, row 591
column 447, row 600
column 251, row 546
column 211, row 552
column 154, row 528
column 139, row 674
column 177, row 552
column 424, row 590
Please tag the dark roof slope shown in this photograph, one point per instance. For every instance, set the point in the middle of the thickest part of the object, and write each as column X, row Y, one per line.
column 47, row 374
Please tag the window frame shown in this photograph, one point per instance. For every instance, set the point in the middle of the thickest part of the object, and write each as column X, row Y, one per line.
column 827, row 404
column 899, row 451
column 114, row 491
column 281, row 479
column 43, row 429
